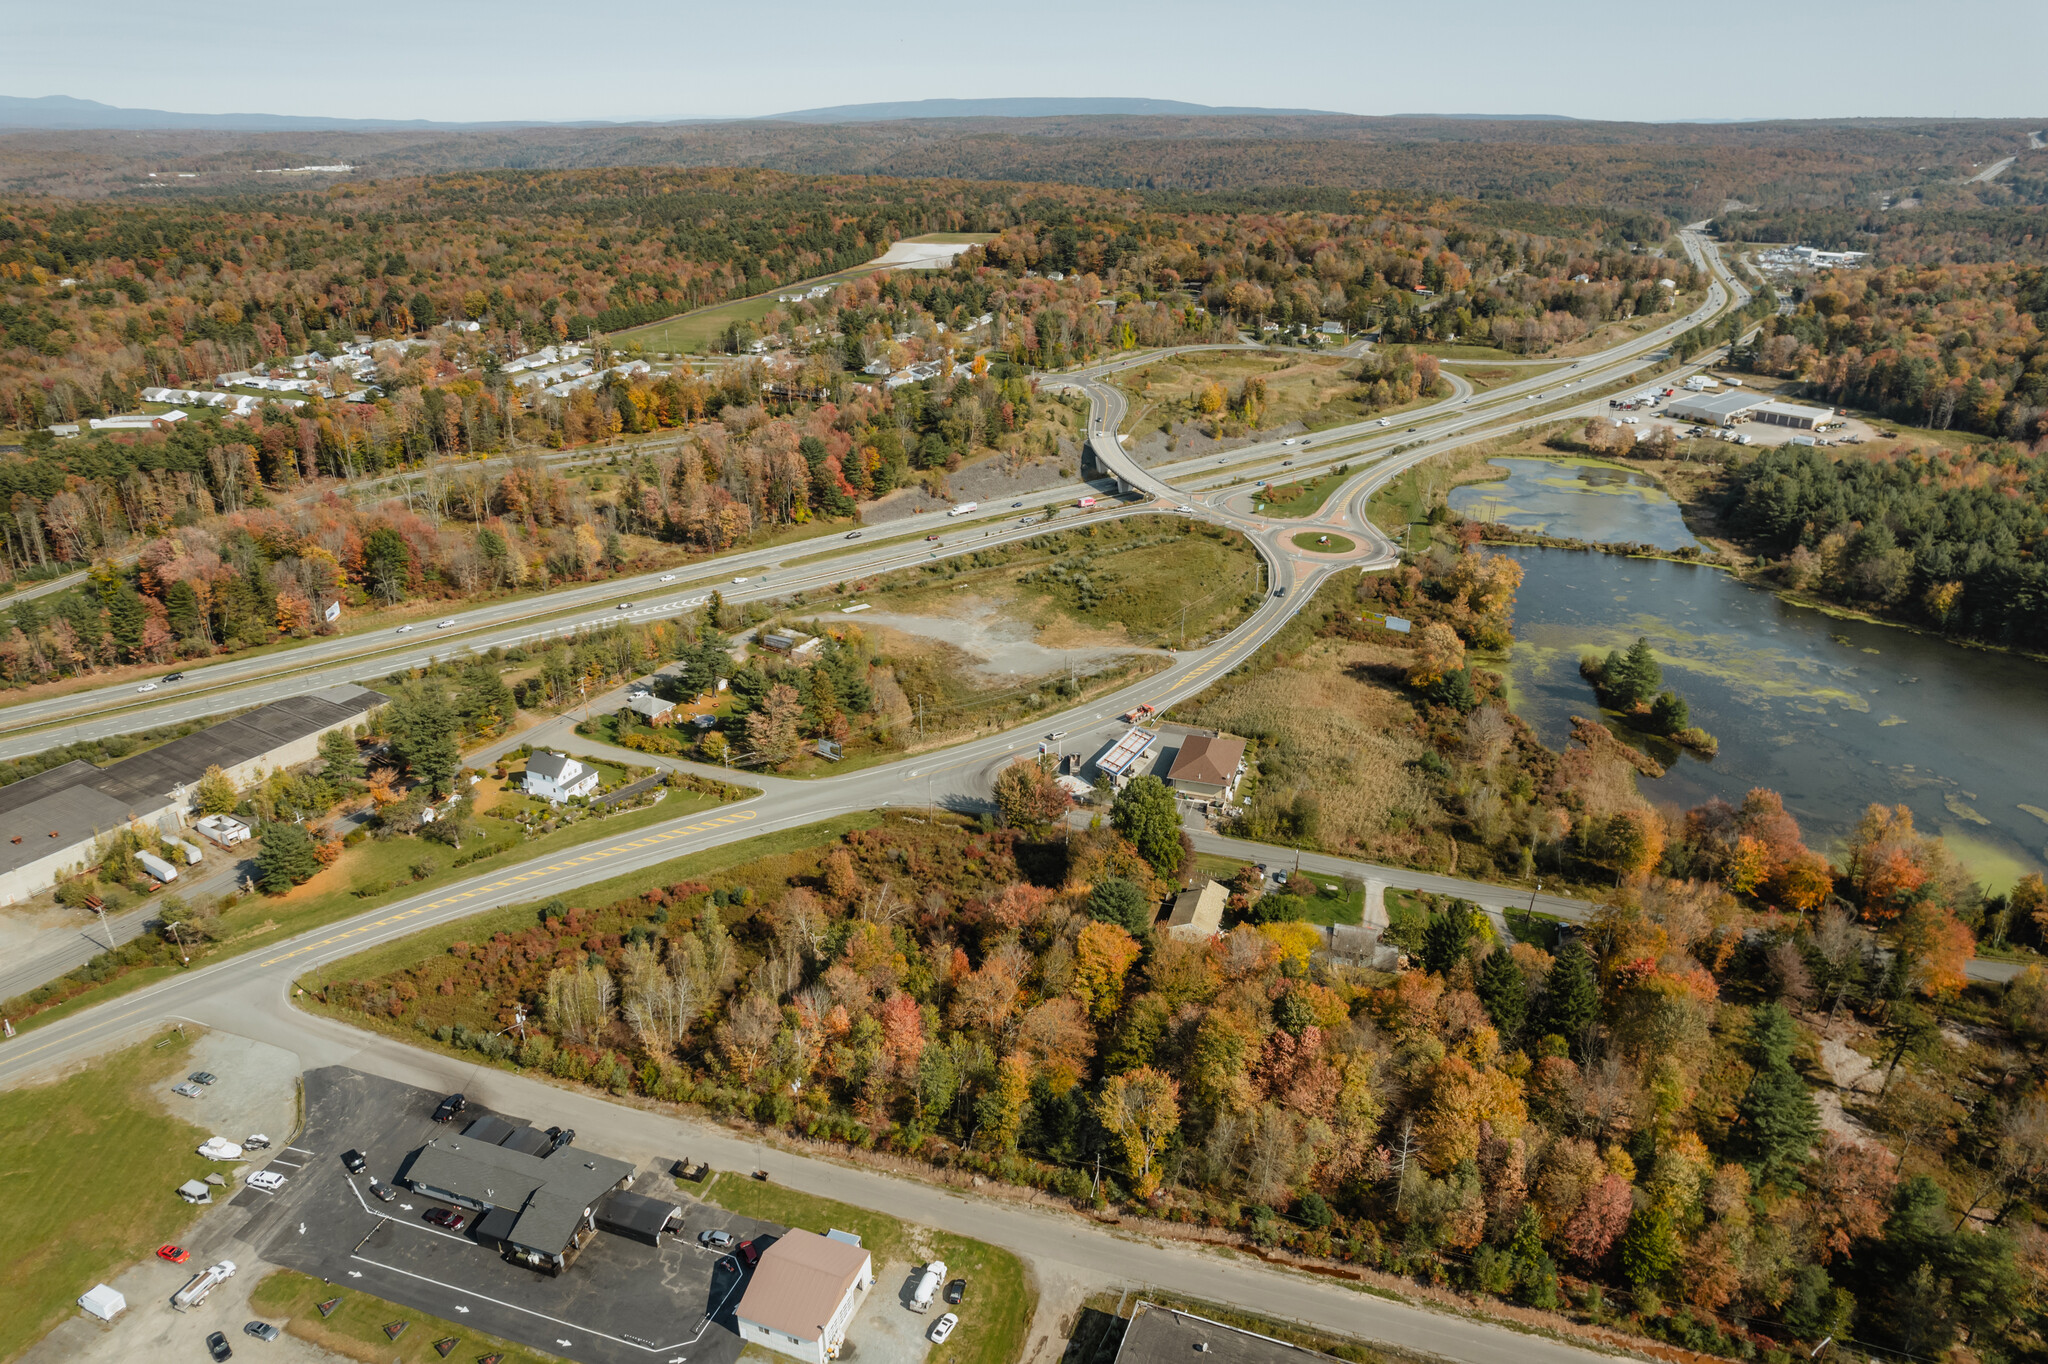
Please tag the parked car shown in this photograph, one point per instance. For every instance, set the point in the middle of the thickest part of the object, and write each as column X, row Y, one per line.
column 716, row 1240
column 177, row 1255
column 943, row 1327
column 383, row 1193
column 188, row 1089
column 202, row 1077
column 217, row 1346
column 445, row 1217
column 451, row 1108
column 256, row 1141
column 955, row 1291
column 262, row 1330
column 750, row 1253
column 354, row 1161
column 269, row 1181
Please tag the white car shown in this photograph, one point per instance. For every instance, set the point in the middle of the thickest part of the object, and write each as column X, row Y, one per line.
column 1385, row 422
column 269, row 1181
column 1288, row 441
column 405, row 629
column 147, row 686
column 739, row 580
column 625, row 606
column 668, row 577
column 1185, row 509
column 444, row 625
column 943, row 1327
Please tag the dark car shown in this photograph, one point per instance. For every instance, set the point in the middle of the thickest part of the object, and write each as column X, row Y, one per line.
column 202, row 1077
column 382, row 1192
column 450, row 1108
column 217, row 1346
column 262, row 1330
column 955, row 1291
column 750, row 1252
column 354, row 1161
column 561, row 1136
column 445, row 1217
column 931, row 537
column 175, row 677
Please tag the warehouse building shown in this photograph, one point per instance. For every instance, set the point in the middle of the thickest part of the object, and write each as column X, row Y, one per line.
column 804, row 1292
column 538, row 1198
column 1713, row 409
column 54, row 819
column 1799, row 416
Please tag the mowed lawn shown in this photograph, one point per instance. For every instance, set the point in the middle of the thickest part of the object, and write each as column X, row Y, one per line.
column 994, row 1319
column 356, row 1329
column 1303, row 496
column 91, row 1165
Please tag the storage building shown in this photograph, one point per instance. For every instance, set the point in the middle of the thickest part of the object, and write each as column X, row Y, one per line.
column 1799, row 416
column 1198, row 914
column 804, row 1292
column 54, row 819
column 1166, row 1335
column 636, row 1216
column 1713, row 409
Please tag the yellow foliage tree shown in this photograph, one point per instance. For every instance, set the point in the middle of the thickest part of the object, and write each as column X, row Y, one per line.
column 1141, row 1109
column 1295, row 940
column 1102, row 957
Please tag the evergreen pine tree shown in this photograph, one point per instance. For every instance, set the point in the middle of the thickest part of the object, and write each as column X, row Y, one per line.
column 1571, row 1002
column 1447, row 935
column 1501, row 991
column 286, row 859
column 1776, row 1119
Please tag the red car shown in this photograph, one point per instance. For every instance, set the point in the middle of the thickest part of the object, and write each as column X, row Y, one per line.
column 442, row 1217
column 177, row 1255
column 749, row 1253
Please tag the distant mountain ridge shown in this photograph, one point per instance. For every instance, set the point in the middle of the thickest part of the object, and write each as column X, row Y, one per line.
column 67, row 113
column 1023, row 107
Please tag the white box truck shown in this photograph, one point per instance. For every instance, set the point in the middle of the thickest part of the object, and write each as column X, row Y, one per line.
column 156, row 866
column 204, row 1282
column 963, row 509
column 928, row 1285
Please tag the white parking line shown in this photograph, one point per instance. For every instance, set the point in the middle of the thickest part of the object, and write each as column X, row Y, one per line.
column 500, row 1302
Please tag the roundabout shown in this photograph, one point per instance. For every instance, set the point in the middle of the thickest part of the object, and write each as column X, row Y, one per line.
column 1323, row 542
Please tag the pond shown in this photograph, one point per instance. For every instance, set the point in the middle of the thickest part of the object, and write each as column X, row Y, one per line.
column 1577, row 500
column 1831, row 714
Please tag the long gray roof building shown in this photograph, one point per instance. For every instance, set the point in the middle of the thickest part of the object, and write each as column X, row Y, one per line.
column 53, row 819
column 539, row 1209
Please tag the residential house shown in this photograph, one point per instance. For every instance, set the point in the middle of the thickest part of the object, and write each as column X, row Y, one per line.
column 557, row 777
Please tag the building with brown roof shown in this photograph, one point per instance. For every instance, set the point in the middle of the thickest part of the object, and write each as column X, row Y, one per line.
column 804, row 1292
column 1207, row 766
column 1198, row 913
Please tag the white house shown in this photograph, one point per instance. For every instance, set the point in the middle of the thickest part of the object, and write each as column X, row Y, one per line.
column 557, row 777
column 804, row 1292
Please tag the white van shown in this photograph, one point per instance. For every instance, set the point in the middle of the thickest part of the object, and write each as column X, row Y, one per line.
column 928, row 1285
column 963, row 509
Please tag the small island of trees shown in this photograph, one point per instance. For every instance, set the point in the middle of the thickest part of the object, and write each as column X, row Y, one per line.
column 1628, row 684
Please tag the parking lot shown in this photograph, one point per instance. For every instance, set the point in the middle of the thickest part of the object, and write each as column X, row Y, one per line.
column 621, row 1300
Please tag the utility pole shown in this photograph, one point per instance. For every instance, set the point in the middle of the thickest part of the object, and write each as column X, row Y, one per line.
column 1098, row 1176
column 1532, row 897
column 101, row 910
column 183, row 955
column 920, row 715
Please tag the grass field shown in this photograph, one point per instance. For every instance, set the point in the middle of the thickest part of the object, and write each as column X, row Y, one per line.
column 995, row 1318
column 1116, row 581
column 1312, row 390
column 93, row 1162
column 1302, row 497
column 389, row 865
column 1459, row 350
column 1314, row 542
column 356, row 1329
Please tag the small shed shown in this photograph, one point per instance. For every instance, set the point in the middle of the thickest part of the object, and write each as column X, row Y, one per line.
column 636, row 1216
column 103, row 1302
column 192, row 1191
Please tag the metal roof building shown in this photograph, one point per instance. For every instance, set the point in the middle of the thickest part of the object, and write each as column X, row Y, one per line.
column 54, row 819
column 1720, row 409
column 803, row 1293
column 1165, row 1335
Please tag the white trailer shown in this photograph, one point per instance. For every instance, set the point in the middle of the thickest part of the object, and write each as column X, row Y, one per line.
column 963, row 509
column 156, row 866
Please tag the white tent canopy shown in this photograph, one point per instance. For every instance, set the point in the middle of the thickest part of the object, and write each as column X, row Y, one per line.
column 103, row 1302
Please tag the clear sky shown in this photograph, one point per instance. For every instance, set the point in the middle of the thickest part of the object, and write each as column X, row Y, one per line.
column 547, row 60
